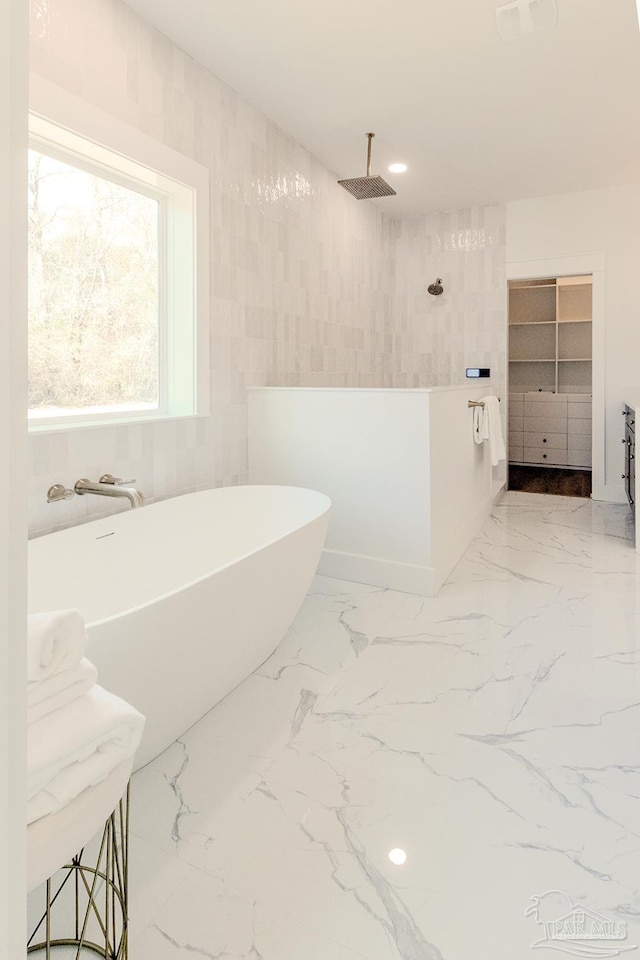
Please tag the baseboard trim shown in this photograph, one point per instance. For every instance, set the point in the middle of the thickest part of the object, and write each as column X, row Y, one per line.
column 423, row 580
column 609, row 493
column 391, row 574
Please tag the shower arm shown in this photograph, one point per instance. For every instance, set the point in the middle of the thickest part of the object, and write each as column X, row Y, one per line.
column 370, row 136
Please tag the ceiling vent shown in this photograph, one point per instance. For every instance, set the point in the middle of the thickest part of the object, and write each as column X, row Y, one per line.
column 520, row 17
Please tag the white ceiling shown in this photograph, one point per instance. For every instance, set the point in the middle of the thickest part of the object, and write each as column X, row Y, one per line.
column 476, row 119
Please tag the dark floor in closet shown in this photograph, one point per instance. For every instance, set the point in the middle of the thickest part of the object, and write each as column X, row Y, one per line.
column 561, row 482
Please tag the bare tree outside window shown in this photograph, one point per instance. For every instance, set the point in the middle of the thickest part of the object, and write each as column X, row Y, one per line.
column 93, row 292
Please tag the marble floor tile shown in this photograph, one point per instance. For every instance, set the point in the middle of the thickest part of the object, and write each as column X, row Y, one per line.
column 492, row 733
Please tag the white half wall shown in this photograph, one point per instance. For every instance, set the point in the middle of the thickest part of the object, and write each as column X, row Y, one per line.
column 409, row 488
column 368, row 450
column 13, row 478
column 595, row 222
column 463, row 485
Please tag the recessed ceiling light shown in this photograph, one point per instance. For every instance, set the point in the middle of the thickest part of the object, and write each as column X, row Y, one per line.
column 397, row 856
column 401, row 167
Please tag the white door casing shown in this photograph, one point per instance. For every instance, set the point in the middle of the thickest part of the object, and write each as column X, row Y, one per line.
column 594, row 264
column 13, row 474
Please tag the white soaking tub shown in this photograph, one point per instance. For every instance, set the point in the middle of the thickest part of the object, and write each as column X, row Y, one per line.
column 186, row 597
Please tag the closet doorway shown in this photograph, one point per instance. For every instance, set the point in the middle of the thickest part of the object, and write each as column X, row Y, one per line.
column 550, row 385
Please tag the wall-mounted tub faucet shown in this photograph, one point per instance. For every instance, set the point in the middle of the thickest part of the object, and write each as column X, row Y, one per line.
column 108, row 486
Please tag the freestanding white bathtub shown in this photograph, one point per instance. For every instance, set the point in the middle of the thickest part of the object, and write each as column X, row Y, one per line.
column 186, row 597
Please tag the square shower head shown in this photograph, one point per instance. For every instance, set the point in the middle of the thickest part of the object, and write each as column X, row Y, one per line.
column 367, row 188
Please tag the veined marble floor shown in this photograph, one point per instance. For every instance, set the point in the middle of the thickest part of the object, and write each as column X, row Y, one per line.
column 492, row 733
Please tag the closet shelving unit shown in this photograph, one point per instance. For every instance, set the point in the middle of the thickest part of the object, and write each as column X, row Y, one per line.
column 550, row 335
column 550, row 372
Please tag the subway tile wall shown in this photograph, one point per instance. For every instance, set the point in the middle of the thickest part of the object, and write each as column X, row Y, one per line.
column 309, row 287
column 438, row 337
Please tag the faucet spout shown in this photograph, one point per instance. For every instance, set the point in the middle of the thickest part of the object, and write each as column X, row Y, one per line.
column 110, row 488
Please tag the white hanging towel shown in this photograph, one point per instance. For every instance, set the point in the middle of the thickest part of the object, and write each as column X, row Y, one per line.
column 492, row 429
column 478, row 425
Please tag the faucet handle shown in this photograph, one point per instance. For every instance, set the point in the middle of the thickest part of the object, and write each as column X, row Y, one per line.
column 116, row 481
column 58, row 492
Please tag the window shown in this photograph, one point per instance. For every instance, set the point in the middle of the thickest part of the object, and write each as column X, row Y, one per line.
column 93, row 293
column 118, row 285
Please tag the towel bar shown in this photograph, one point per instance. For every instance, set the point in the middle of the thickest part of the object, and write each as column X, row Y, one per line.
column 476, row 403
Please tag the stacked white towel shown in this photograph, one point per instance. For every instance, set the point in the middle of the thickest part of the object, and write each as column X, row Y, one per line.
column 55, row 642
column 77, row 747
column 45, row 696
column 78, row 733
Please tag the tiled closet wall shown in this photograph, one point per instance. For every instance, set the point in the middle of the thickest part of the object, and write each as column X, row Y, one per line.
column 309, row 287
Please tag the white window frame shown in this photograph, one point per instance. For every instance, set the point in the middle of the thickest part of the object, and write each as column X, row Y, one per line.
column 68, row 128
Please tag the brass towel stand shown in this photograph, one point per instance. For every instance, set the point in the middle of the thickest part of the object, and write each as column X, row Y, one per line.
column 101, row 899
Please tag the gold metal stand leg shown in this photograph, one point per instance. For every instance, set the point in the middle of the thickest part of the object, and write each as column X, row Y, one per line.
column 101, row 898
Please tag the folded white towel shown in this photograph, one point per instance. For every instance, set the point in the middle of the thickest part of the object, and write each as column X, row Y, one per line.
column 493, row 430
column 44, row 696
column 55, row 641
column 76, row 747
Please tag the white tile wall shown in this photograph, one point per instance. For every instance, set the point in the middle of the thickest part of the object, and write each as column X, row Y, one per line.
column 438, row 337
column 309, row 286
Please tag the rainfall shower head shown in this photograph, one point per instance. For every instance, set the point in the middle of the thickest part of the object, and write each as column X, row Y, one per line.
column 368, row 187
